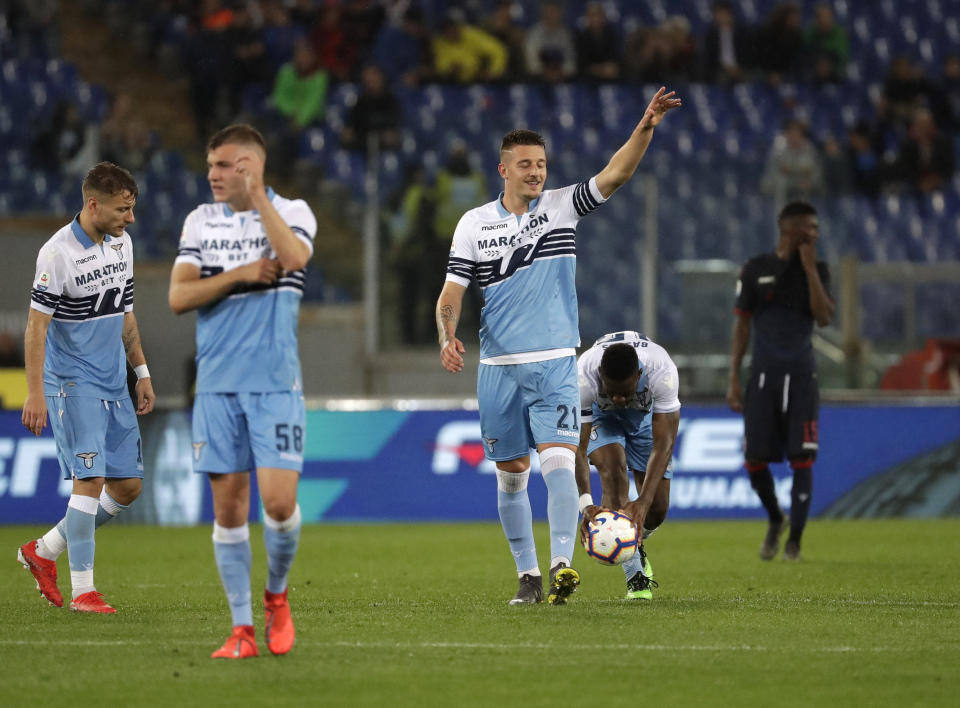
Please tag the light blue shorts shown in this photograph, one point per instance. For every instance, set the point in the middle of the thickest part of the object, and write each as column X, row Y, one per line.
column 239, row 432
column 523, row 405
column 636, row 439
column 96, row 438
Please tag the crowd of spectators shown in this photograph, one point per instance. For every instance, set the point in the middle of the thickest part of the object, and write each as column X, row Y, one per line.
column 68, row 143
column 227, row 46
column 245, row 40
column 291, row 52
column 906, row 146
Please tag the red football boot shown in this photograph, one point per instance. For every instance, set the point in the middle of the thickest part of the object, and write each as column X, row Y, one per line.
column 44, row 572
column 279, row 623
column 242, row 644
column 91, row 602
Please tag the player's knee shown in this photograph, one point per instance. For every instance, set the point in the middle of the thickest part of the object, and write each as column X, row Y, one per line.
column 88, row 487
column 607, row 469
column 514, row 466
column 125, row 491
column 613, row 480
column 279, row 508
column 656, row 515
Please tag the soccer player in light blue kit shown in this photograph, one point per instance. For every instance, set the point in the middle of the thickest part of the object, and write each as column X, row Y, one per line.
column 81, row 333
column 241, row 266
column 521, row 250
column 629, row 415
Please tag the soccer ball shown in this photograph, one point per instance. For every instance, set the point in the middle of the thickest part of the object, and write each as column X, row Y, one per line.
column 611, row 538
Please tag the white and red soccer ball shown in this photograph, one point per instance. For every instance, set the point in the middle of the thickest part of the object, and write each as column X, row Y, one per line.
column 611, row 538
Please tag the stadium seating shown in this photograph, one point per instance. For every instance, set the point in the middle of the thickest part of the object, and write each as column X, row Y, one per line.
column 706, row 160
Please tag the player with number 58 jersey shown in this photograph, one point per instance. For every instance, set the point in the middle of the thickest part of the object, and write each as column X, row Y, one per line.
column 241, row 266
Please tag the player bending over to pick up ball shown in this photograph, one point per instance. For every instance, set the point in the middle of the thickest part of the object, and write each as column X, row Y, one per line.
column 629, row 416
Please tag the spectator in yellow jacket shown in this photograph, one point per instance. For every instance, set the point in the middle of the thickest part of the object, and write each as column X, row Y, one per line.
column 464, row 53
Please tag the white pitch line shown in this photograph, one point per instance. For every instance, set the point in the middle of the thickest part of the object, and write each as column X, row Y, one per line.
column 818, row 600
column 488, row 646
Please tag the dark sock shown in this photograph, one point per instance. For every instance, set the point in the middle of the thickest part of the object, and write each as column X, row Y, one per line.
column 762, row 482
column 800, row 501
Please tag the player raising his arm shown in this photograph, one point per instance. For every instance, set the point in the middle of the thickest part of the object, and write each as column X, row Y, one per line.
column 630, row 414
column 520, row 248
column 240, row 266
column 81, row 333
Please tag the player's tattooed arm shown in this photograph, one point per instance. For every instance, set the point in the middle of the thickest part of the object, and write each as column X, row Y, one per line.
column 131, row 340
column 448, row 314
column 447, row 319
column 145, row 397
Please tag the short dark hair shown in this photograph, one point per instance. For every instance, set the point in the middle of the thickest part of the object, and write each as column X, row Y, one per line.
column 522, row 137
column 109, row 179
column 237, row 134
column 619, row 362
column 797, row 208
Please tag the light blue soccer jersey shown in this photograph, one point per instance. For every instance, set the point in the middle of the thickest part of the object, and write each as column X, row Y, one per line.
column 247, row 341
column 86, row 288
column 526, row 269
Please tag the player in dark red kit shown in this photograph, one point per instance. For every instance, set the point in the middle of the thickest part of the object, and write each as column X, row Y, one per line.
column 784, row 293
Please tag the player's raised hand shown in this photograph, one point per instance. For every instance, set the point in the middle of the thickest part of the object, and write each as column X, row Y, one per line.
column 145, row 396
column 658, row 107
column 261, row 272
column 34, row 416
column 249, row 168
column 451, row 355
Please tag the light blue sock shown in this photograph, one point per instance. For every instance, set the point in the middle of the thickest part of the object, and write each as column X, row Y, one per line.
column 79, row 523
column 633, row 566
column 54, row 542
column 103, row 517
column 281, row 539
column 109, row 508
column 231, row 547
column 79, row 526
column 556, row 464
column 516, row 518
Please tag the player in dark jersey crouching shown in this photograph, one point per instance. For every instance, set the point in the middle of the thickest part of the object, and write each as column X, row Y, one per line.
column 783, row 293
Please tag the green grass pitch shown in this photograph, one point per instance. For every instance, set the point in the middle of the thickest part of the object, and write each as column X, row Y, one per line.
column 416, row 615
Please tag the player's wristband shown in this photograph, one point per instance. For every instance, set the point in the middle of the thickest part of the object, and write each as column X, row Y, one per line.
column 585, row 501
column 141, row 371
